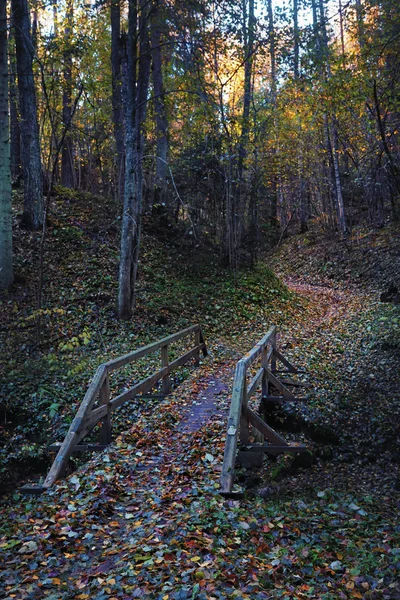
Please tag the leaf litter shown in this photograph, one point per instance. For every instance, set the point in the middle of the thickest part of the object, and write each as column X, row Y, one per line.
column 145, row 520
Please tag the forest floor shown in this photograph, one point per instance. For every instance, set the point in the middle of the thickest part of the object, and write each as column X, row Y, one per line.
column 144, row 518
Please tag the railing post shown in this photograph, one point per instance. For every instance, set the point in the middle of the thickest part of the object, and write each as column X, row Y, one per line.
column 228, row 466
column 273, row 356
column 105, row 435
column 197, row 342
column 202, row 341
column 166, row 380
column 244, row 424
column 264, row 381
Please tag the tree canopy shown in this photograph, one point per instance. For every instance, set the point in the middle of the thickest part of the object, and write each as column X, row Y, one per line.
column 241, row 120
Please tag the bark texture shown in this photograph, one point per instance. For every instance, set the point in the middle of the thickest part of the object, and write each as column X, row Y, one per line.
column 6, row 270
column 67, row 153
column 157, row 25
column 15, row 130
column 118, row 112
column 32, row 168
column 136, row 104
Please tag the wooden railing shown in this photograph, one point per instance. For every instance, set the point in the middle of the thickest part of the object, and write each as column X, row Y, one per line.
column 241, row 417
column 88, row 416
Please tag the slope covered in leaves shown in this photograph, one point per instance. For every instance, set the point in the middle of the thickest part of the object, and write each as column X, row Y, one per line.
column 144, row 519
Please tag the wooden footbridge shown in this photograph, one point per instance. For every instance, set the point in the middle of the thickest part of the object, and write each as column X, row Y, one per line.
column 264, row 357
column 97, row 406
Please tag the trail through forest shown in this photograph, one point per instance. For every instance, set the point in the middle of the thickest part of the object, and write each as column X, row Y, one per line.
column 144, row 519
column 164, row 164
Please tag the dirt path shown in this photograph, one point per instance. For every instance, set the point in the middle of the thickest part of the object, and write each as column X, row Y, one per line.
column 355, row 371
column 331, row 300
column 145, row 520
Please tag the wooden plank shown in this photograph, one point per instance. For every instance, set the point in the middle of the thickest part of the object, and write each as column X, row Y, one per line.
column 264, row 382
column 228, row 466
column 197, row 342
column 278, row 449
column 61, row 459
column 255, row 352
column 166, row 381
column 203, row 344
column 244, row 424
column 91, row 419
column 140, row 352
column 72, row 437
column 283, row 360
column 255, row 382
column 80, row 447
column 265, row 429
column 104, row 398
column 142, row 387
column 273, row 352
column 296, row 383
column 90, row 396
column 286, row 372
column 233, row 495
column 183, row 359
column 279, row 386
column 281, row 399
column 34, row 490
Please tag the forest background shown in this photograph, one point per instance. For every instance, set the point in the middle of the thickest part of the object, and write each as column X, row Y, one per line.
column 236, row 118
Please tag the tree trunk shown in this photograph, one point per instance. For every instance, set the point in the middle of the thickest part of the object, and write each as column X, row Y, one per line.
column 15, row 130
column 394, row 181
column 6, row 269
column 360, row 24
column 157, row 25
column 136, row 102
column 302, row 202
column 272, row 51
column 118, row 113
column 32, row 168
column 243, row 190
column 140, row 118
column 330, row 124
column 296, row 41
column 342, row 223
column 275, row 202
column 67, row 156
column 248, row 35
column 342, row 33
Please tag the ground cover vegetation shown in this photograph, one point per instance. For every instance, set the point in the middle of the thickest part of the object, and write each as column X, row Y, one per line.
column 228, row 163
column 144, row 519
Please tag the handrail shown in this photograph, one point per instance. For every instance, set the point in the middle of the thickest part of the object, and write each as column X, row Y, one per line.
column 88, row 417
column 241, row 417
